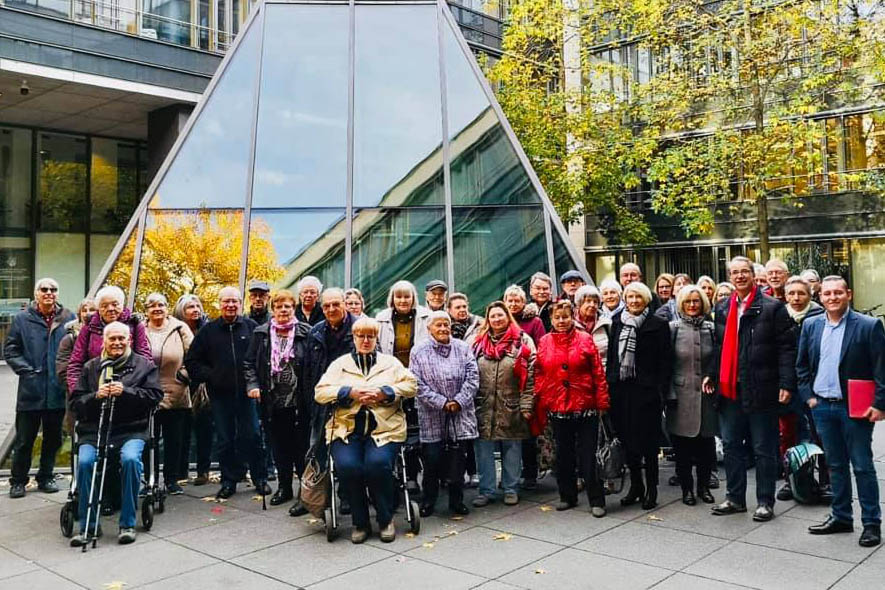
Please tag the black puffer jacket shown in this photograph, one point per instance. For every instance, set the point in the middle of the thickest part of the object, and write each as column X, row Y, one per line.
column 216, row 356
column 141, row 394
column 257, row 367
column 766, row 351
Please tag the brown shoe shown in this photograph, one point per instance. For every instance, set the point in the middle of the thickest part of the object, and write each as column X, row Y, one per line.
column 201, row 479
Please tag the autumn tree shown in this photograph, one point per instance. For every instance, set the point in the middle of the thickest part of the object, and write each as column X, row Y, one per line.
column 727, row 114
column 196, row 252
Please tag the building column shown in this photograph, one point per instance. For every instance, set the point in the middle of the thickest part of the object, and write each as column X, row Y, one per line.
column 164, row 127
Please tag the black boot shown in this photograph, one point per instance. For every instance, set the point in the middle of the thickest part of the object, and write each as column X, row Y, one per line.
column 651, row 485
column 637, row 489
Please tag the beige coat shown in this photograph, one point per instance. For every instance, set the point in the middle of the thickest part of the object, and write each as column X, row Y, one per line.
column 176, row 338
column 499, row 403
column 390, row 419
column 387, row 335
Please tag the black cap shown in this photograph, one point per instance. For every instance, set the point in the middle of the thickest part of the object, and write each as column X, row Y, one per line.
column 436, row 284
column 570, row 275
column 255, row 285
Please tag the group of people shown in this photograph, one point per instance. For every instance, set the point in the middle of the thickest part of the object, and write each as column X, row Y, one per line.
column 762, row 361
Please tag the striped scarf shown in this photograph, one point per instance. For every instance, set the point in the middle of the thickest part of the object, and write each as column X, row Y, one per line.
column 627, row 342
column 109, row 366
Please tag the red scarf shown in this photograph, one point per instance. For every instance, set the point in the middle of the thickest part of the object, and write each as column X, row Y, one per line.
column 497, row 350
column 728, row 365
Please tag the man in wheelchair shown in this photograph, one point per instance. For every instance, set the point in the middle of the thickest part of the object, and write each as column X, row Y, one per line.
column 112, row 403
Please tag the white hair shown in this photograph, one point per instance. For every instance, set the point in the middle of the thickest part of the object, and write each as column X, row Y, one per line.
column 584, row 292
column 744, row 260
column 401, row 287
column 540, row 276
column 110, row 292
column 228, row 291
column 155, row 298
column 630, row 266
column 116, row 327
column 777, row 263
column 310, row 281
column 810, row 274
column 640, row 288
column 611, row 284
column 515, row 290
column 335, row 291
column 438, row 315
column 49, row 282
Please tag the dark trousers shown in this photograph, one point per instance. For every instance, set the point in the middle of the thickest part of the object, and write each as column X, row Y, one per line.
column 199, row 434
column 848, row 446
column 530, row 458
column 289, row 440
column 444, row 463
column 471, row 460
column 359, row 464
column 267, row 443
column 694, row 451
column 236, row 427
column 761, row 428
column 576, row 440
column 27, row 424
column 173, row 424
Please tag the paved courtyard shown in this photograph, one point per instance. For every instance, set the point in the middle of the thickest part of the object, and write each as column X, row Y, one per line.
column 200, row 544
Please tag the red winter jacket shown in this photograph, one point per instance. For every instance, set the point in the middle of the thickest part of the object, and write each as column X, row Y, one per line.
column 569, row 375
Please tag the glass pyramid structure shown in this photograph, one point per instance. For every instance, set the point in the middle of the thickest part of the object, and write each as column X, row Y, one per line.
column 359, row 143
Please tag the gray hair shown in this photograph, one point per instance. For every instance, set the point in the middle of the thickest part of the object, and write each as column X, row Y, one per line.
column 840, row 278
column 687, row 290
column 155, row 298
column 778, row 263
column 640, row 288
column 541, row 276
column 758, row 270
column 798, row 280
column 438, row 315
column 311, row 280
column 400, row 287
column 228, row 291
column 116, row 327
column 45, row 281
column 182, row 304
column 515, row 290
column 351, row 291
column 335, row 291
column 584, row 292
column 611, row 284
column 744, row 260
column 110, row 292
column 810, row 272
column 629, row 265
column 708, row 279
column 366, row 324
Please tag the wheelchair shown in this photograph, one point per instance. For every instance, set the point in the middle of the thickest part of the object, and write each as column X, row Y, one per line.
column 412, row 515
column 154, row 500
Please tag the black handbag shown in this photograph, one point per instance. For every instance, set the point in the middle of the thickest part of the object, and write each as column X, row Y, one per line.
column 611, row 458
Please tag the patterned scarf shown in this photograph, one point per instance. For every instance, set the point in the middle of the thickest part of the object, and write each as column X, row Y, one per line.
column 696, row 321
column 611, row 313
column 282, row 346
column 627, row 342
column 109, row 366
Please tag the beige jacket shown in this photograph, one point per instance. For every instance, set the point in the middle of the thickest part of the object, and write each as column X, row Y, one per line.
column 499, row 402
column 175, row 339
column 390, row 419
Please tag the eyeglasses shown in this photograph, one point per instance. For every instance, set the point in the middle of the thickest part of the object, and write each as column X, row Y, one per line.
column 49, row 289
column 365, row 336
column 742, row 271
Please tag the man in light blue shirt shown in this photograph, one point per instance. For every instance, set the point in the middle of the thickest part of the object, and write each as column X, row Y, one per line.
column 826, row 383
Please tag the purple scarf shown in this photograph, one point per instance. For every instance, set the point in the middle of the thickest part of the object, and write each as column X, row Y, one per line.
column 281, row 350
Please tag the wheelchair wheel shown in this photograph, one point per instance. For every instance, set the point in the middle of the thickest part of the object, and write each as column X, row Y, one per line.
column 331, row 533
column 415, row 524
column 147, row 514
column 66, row 519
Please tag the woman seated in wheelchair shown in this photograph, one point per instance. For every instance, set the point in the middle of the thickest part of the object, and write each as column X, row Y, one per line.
column 367, row 426
column 115, row 393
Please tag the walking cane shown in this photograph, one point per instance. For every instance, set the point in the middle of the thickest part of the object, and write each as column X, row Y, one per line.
column 101, row 444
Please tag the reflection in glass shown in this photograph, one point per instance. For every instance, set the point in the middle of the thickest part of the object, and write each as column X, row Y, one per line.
column 562, row 259
column 15, row 179
column 465, row 98
column 100, row 247
column 120, row 274
column 301, row 145
column 211, row 167
column 393, row 245
column 169, row 20
column 397, row 113
column 114, row 184
column 194, row 252
column 62, row 170
column 303, row 243
column 495, row 248
column 62, row 256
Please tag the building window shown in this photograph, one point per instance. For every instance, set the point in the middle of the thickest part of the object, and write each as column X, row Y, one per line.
column 63, row 169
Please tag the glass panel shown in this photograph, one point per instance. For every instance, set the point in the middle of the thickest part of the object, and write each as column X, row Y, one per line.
column 15, row 179
column 285, row 246
column 100, row 247
column 868, row 274
column 301, row 145
column 120, row 274
column 62, row 256
column 397, row 117
column 190, row 252
column 210, row 168
column 204, row 14
column 114, row 184
column 393, row 245
column 495, row 248
column 114, row 14
column 832, row 142
column 167, row 20
column 16, row 282
column 562, row 259
column 62, row 170
column 58, row 8
column 485, row 167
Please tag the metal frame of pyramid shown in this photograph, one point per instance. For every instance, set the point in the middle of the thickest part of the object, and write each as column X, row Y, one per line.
column 137, row 223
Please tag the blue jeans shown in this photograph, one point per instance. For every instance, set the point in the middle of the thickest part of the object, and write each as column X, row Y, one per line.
column 511, row 465
column 236, row 426
column 847, row 440
column 132, row 468
column 761, row 428
column 360, row 463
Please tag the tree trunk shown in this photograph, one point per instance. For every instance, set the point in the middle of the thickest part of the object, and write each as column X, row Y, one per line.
column 760, row 193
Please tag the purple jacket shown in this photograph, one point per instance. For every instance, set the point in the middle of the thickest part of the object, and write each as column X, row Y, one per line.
column 445, row 372
column 532, row 326
column 91, row 340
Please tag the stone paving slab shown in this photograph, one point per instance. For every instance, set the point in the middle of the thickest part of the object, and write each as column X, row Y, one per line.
column 791, row 534
column 38, row 580
column 402, row 573
column 219, row 575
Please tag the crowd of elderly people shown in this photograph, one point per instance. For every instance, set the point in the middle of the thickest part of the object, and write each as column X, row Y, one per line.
column 762, row 362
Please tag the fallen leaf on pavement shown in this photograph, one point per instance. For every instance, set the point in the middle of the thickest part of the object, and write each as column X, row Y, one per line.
column 410, row 535
column 257, row 498
column 115, row 585
column 457, row 518
column 655, row 518
column 428, row 545
column 546, row 508
column 540, row 571
column 503, row 537
column 313, row 521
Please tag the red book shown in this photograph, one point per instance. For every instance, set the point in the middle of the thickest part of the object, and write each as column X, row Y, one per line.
column 861, row 393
